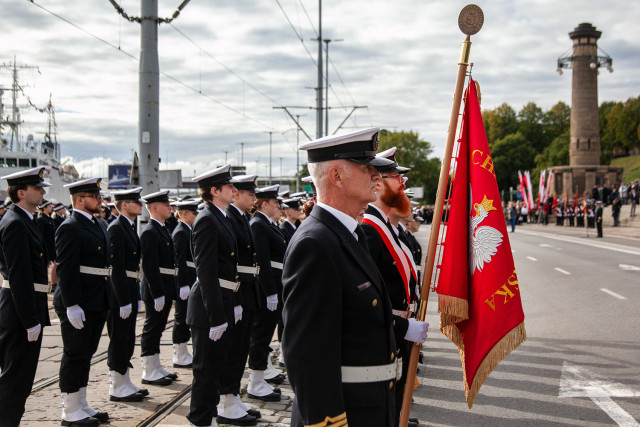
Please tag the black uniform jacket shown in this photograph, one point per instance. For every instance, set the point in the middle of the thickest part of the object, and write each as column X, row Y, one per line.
column 157, row 251
column 47, row 227
column 182, row 242
column 287, row 230
column 247, row 295
column 336, row 313
column 80, row 241
column 386, row 264
column 125, row 256
column 213, row 245
column 23, row 261
column 270, row 246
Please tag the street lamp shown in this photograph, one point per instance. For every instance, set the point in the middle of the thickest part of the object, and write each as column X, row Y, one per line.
column 326, row 86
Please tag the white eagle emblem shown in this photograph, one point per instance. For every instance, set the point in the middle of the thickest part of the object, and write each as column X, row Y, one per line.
column 483, row 241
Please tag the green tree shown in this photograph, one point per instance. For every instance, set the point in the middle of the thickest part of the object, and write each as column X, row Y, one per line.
column 531, row 126
column 499, row 122
column 511, row 154
column 413, row 152
column 556, row 121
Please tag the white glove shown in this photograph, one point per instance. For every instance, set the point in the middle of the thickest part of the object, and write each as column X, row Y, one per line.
column 184, row 293
column 139, row 306
column 216, row 332
column 125, row 311
column 34, row 333
column 417, row 331
column 272, row 302
column 237, row 313
column 75, row 314
column 158, row 303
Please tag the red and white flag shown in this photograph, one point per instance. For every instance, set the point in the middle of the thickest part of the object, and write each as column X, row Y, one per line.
column 478, row 291
column 527, row 175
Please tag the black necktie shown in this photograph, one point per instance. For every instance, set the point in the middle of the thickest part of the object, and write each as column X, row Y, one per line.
column 362, row 238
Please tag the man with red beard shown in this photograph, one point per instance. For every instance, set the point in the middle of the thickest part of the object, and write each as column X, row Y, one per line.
column 395, row 263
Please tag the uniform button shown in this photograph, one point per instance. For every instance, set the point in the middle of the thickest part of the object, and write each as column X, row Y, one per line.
column 393, row 356
column 390, row 385
column 393, row 263
column 233, row 253
column 248, row 246
column 134, row 253
column 374, row 302
column 105, row 278
column 99, row 248
column 393, row 323
column 398, row 351
column 167, row 243
column 40, row 254
column 284, row 241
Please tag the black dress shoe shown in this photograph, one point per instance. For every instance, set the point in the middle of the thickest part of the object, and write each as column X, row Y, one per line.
column 189, row 366
column 161, row 381
column 254, row 413
column 247, row 420
column 281, row 364
column 414, row 420
column 277, row 390
column 103, row 417
column 278, row 379
column 89, row 421
column 172, row 377
column 135, row 397
column 144, row 392
column 273, row 397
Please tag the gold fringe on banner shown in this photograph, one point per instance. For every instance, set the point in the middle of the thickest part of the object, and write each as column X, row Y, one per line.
column 452, row 310
column 506, row 345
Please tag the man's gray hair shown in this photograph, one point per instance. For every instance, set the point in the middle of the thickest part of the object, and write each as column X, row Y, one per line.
column 320, row 172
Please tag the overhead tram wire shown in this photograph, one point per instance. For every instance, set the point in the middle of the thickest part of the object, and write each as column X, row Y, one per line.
column 243, row 80
column 175, row 79
column 297, row 34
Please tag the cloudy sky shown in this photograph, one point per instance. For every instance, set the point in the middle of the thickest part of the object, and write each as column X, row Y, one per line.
column 228, row 63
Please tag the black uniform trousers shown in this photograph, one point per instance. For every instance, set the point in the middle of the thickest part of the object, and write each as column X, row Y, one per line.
column 79, row 346
column 181, row 331
column 405, row 352
column 122, row 339
column 18, row 361
column 155, row 323
column 264, row 325
column 208, row 366
column 240, row 338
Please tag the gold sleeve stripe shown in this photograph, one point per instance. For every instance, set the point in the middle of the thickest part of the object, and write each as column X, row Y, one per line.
column 337, row 421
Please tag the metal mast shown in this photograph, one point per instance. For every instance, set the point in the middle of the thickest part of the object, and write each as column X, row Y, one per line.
column 149, row 98
column 319, row 108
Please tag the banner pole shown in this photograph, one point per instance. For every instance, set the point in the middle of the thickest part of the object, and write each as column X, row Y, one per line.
column 470, row 21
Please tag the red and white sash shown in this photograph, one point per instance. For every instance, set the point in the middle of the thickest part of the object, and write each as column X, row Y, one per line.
column 402, row 260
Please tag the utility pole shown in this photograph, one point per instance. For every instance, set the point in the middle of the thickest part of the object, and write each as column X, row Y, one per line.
column 319, row 89
column 297, row 153
column 270, row 143
column 149, row 101
column 326, row 87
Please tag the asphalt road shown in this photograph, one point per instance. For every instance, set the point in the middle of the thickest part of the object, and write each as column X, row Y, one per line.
column 580, row 364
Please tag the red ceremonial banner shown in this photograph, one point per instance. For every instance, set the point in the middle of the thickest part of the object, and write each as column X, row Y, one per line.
column 478, row 291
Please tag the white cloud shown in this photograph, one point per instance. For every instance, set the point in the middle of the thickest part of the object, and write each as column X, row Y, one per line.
column 397, row 58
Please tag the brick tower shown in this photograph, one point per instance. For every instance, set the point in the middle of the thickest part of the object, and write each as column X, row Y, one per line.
column 584, row 170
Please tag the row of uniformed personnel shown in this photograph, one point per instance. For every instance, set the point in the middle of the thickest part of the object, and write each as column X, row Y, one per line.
column 98, row 275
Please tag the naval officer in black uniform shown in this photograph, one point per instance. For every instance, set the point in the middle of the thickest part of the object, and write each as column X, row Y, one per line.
column 213, row 307
column 270, row 248
column 186, row 213
column 338, row 340
column 292, row 213
column 124, row 295
column 389, row 250
column 158, row 286
column 81, row 298
column 240, row 336
column 23, row 295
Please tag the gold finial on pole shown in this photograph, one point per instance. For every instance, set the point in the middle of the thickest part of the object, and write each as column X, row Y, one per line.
column 470, row 21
